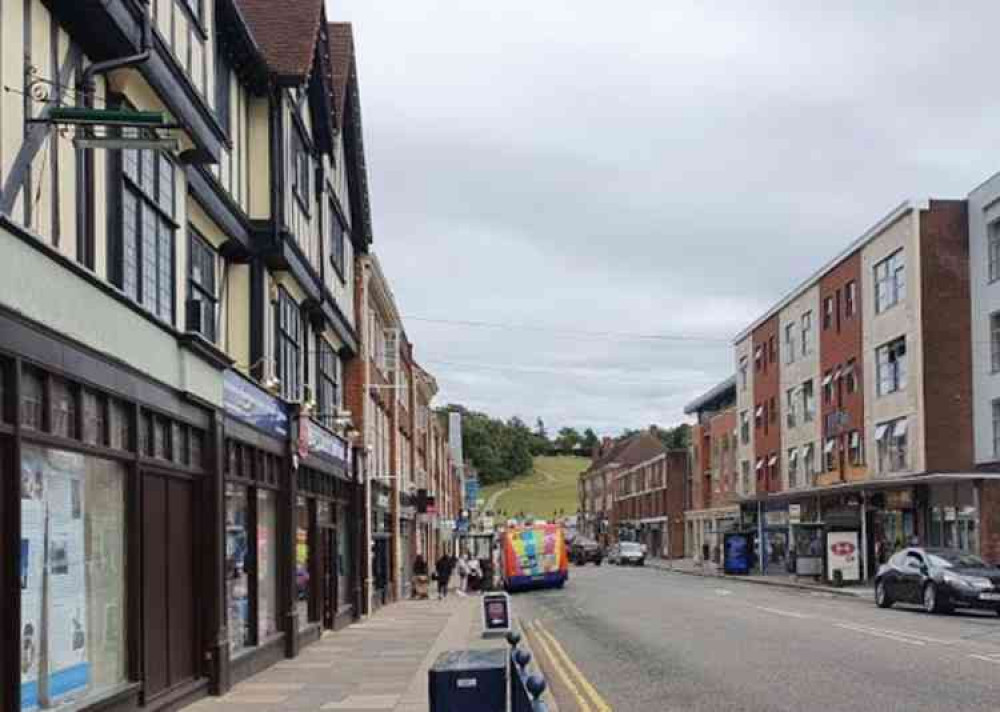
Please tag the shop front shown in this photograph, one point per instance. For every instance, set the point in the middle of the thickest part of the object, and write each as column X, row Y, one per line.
column 255, row 467
column 407, row 543
column 106, row 501
column 326, row 525
column 381, row 544
column 706, row 530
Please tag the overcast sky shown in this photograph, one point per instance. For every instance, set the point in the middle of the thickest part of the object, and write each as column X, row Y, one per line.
column 645, row 167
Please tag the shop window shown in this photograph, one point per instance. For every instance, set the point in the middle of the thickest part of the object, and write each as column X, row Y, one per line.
column 32, row 398
column 95, row 421
column 63, row 397
column 196, row 442
column 267, row 565
column 120, row 428
column 237, row 562
column 72, row 579
column 303, row 555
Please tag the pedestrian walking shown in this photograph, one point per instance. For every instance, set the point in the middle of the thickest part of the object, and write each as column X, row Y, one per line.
column 442, row 572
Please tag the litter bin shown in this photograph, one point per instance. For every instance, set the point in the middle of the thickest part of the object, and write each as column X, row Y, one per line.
column 469, row 681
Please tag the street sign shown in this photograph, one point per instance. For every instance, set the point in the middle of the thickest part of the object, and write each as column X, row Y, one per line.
column 496, row 613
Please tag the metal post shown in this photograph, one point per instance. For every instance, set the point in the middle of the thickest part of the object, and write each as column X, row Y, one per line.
column 761, row 544
column 864, row 536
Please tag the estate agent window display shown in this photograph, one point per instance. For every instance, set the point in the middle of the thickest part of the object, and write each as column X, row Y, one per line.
column 79, row 446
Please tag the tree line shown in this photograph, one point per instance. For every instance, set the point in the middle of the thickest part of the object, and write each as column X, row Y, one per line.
column 502, row 450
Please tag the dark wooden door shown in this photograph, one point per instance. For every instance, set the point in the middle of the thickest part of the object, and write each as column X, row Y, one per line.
column 170, row 626
column 329, row 565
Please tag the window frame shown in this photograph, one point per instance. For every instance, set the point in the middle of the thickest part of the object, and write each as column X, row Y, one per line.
column 329, row 382
column 196, row 243
column 827, row 313
column 288, row 342
column 223, row 86
column 892, row 456
column 128, row 186
column 337, row 239
column 996, row 427
column 808, row 398
column 890, row 367
column 790, row 415
column 850, row 299
column 301, row 167
column 806, row 323
column 994, row 325
column 993, row 252
column 790, row 343
column 890, row 287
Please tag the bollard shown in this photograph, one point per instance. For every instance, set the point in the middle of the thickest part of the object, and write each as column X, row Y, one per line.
column 536, row 687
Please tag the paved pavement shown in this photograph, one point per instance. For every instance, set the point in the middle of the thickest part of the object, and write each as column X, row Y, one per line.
column 380, row 664
column 646, row 639
column 697, row 568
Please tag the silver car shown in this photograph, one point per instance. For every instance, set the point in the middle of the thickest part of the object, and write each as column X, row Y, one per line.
column 628, row 553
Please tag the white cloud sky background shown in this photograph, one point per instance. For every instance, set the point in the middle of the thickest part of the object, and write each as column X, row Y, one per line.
column 645, row 167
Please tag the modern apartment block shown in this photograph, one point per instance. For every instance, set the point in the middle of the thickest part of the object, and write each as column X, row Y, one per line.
column 861, row 390
column 717, row 474
column 179, row 306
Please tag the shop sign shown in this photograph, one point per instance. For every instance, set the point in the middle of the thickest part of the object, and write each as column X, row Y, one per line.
column 253, row 405
column 843, row 556
column 794, row 513
column 323, row 443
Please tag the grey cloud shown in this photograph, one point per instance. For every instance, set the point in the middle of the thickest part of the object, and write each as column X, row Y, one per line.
column 646, row 167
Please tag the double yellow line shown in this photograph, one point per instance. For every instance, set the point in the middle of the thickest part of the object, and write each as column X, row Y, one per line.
column 587, row 698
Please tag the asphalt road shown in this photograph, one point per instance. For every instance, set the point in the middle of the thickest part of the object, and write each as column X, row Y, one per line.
column 649, row 640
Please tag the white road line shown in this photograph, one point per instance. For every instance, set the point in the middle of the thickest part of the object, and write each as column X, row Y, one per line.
column 723, row 592
column 779, row 612
column 879, row 634
column 906, row 634
column 994, row 658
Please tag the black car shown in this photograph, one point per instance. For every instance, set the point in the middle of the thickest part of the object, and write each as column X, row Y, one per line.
column 585, row 550
column 938, row 579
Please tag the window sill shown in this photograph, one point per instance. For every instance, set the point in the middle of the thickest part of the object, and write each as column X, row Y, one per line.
column 199, row 345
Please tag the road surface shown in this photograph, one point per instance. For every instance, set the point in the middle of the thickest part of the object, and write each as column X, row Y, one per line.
column 648, row 640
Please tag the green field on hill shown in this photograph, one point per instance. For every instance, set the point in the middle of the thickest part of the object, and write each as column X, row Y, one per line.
column 551, row 487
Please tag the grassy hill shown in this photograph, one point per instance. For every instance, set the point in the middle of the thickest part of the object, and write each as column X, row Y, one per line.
column 550, row 487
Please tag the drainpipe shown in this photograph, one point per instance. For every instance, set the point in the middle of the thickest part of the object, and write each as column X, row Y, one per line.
column 101, row 68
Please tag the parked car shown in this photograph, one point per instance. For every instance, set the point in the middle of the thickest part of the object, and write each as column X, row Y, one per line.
column 938, row 579
column 627, row 553
column 585, row 550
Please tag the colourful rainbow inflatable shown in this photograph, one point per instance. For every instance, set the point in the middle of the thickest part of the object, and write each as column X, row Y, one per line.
column 535, row 557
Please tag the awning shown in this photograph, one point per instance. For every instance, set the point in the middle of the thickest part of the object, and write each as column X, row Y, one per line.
column 827, row 379
column 837, row 375
column 760, row 411
column 900, row 428
column 773, row 461
column 809, row 449
column 828, row 448
column 760, row 464
column 880, row 431
column 855, row 439
column 793, row 455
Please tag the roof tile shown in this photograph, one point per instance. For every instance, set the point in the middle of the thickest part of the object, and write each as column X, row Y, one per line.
column 286, row 31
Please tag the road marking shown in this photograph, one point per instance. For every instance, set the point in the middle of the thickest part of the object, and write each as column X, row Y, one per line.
column 723, row 592
column 599, row 702
column 906, row 634
column 991, row 658
column 556, row 665
column 780, row 612
column 880, row 634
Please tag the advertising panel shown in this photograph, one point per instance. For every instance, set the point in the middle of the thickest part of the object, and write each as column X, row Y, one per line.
column 242, row 399
column 843, row 558
column 736, row 554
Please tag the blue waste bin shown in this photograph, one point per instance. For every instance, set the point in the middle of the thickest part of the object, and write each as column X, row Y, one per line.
column 469, row 681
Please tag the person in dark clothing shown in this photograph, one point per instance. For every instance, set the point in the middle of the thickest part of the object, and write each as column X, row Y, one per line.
column 420, row 577
column 442, row 572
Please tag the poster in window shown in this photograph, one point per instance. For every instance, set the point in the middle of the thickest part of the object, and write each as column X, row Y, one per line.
column 66, row 600
column 31, row 570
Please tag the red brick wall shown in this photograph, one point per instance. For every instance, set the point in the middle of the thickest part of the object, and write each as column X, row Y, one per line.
column 766, row 391
column 947, row 333
column 989, row 521
column 700, row 436
column 724, row 492
column 838, row 344
column 676, row 476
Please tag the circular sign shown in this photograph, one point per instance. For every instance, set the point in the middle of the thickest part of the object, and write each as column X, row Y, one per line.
column 842, row 548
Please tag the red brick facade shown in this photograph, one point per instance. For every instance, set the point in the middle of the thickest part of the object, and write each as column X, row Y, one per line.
column 766, row 389
column 841, row 403
column 947, row 325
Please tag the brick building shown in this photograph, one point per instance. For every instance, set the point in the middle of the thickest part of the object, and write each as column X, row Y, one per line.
column 714, row 481
column 889, row 451
column 648, row 503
